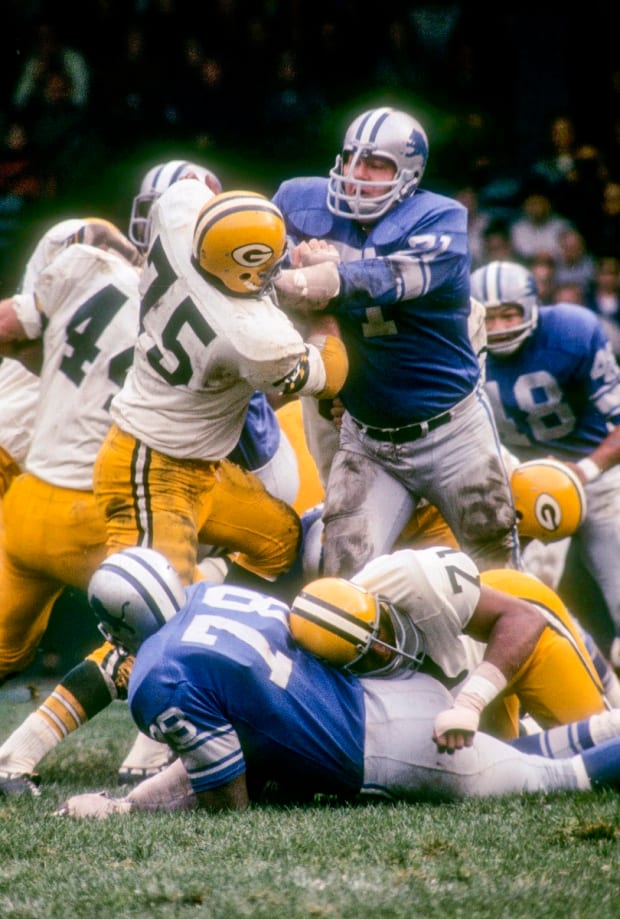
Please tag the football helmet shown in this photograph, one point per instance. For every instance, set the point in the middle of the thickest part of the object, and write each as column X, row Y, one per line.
column 133, row 593
column 384, row 132
column 549, row 500
column 340, row 622
column 503, row 284
column 239, row 242
column 154, row 184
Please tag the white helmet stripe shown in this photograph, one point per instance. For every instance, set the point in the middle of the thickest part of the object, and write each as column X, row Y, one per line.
column 333, row 619
column 225, row 208
column 492, row 287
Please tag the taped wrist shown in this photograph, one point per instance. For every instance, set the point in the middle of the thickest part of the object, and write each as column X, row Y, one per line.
column 484, row 684
column 589, row 469
column 308, row 289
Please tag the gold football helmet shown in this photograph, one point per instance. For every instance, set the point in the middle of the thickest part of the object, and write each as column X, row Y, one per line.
column 549, row 499
column 239, row 242
column 341, row 622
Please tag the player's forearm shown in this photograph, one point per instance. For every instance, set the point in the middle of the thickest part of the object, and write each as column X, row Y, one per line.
column 168, row 790
column 511, row 628
column 320, row 372
column 606, row 455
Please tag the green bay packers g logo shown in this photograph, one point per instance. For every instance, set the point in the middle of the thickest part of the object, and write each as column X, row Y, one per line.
column 252, row 255
column 548, row 512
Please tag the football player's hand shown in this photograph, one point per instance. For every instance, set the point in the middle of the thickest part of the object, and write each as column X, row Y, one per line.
column 313, row 251
column 96, row 804
column 455, row 728
column 305, row 290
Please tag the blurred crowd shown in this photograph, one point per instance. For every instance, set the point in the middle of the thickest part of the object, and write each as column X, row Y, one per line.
column 521, row 104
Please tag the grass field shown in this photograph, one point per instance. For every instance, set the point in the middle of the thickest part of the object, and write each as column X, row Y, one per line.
column 535, row 857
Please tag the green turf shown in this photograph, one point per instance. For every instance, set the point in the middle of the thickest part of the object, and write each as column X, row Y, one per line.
column 534, row 857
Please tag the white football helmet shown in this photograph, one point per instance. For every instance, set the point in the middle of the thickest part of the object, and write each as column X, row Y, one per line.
column 384, row 132
column 503, row 284
column 154, row 184
column 133, row 593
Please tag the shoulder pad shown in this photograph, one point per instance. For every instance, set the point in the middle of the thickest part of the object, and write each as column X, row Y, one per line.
column 423, row 212
column 303, row 203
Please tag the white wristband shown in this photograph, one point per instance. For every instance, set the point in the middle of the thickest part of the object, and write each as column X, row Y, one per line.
column 589, row 468
column 483, row 685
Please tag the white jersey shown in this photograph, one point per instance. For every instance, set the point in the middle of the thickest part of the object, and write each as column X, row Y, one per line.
column 85, row 309
column 439, row 588
column 19, row 394
column 200, row 354
column 19, row 388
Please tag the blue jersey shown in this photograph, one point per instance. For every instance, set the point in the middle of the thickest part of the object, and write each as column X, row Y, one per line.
column 226, row 686
column 560, row 392
column 404, row 302
column 260, row 437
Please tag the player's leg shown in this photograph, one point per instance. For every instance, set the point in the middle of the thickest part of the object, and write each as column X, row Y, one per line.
column 280, row 474
column 467, row 480
column 365, row 506
column 558, row 684
column 27, row 601
column 52, row 537
column 149, row 499
column 262, row 532
column 321, row 436
column 401, row 760
column 87, row 689
column 598, row 544
column 569, row 739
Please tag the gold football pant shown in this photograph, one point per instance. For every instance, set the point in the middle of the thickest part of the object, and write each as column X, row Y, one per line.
column 150, row 499
column 558, row 683
column 8, row 471
column 53, row 537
